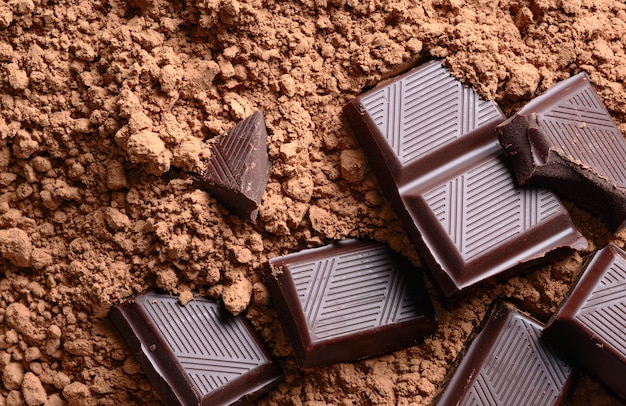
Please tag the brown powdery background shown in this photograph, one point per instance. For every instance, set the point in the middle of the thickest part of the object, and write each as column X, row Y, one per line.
column 104, row 109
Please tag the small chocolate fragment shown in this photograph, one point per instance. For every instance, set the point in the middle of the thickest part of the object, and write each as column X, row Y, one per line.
column 565, row 140
column 432, row 144
column 590, row 325
column 238, row 169
column 349, row 300
column 193, row 354
column 508, row 364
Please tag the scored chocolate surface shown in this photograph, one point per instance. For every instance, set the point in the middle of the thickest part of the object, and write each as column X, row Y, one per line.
column 507, row 363
column 590, row 325
column 349, row 300
column 238, row 169
column 431, row 142
column 192, row 354
column 566, row 140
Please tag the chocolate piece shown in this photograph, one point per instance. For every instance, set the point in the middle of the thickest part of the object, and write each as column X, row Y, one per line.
column 432, row 144
column 192, row 354
column 349, row 300
column 590, row 325
column 238, row 169
column 565, row 140
column 508, row 364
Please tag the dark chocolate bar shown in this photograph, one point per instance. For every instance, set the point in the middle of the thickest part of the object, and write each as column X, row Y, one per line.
column 590, row 325
column 238, row 169
column 349, row 300
column 432, row 144
column 565, row 140
column 193, row 354
column 507, row 363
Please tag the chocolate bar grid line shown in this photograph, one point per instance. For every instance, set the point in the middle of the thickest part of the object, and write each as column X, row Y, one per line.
column 566, row 140
column 538, row 371
column 237, row 171
column 409, row 122
column 509, row 364
column 471, row 207
column 372, row 282
column 233, row 150
column 468, row 255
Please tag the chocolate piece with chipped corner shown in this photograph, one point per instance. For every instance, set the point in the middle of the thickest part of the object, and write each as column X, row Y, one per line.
column 590, row 324
column 349, row 300
column 238, row 169
column 194, row 354
column 565, row 140
column 432, row 144
column 508, row 363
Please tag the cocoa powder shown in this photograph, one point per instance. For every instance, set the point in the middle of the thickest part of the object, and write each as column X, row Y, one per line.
column 105, row 110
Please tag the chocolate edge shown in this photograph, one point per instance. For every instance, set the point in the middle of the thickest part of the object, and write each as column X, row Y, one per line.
column 564, row 323
column 536, row 163
column 498, row 314
column 164, row 378
column 172, row 383
column 311, row 354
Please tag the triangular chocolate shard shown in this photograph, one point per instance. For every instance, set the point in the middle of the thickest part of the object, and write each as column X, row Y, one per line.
column 238, row 169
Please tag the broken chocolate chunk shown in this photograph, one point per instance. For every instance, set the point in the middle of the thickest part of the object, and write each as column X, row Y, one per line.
column 565, row 140
column 238, row 169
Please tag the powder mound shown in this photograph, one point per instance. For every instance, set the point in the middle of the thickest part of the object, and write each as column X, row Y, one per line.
column 236, row 296
column 17, row 316
column 13, row 375
column 16, row 247
column 146, row 147
column 33, row 391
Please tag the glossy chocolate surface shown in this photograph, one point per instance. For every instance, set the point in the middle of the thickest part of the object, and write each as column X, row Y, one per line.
column 566, row 140
column 349, row 300
column 507, row 363
column 192, row 354
column 238, row 169
column 591, row 323
column 432, row 144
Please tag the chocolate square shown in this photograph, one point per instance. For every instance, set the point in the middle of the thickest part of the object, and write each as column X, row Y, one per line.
column 195, row 354
column 349, row 300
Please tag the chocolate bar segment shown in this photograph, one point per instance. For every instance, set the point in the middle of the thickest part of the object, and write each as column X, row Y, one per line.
column 565, row 140
column 238, row 169
column 413, row 120
column 349, row 300
column 479, row 223
column 507, row 363
column 590, row 325
column 432, row 144
column 193, row 354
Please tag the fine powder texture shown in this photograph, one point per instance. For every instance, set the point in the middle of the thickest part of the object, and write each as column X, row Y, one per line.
column 105, row 107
